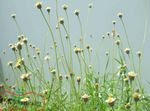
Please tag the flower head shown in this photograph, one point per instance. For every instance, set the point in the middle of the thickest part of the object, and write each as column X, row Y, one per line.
column 65, row 6
column 24, row 100
column 111, row 101
column 48, row 9
column 38, row 5
column 78, row 79
column 76, row 12
column 85, row 97
column 136, row 96
column 139, row 53
column 90, row 5
column 120, row 15
column 13, row 16
column 127, row 50
column 61, row 20
column 131, row 75
column 117, row 42
column 25, row 77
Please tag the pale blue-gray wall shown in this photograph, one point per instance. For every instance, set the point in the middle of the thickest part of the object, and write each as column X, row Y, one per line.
column 103, row 12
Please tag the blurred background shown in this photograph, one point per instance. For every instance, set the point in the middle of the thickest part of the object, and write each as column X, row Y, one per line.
column 99, row 22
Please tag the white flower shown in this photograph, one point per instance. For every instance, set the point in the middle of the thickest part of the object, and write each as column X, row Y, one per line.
column 24, row 100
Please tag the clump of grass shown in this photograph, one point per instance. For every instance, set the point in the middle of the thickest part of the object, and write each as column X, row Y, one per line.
column 115, row 89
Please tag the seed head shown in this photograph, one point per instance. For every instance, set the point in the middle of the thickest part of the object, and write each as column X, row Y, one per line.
column 78, row 79
column 127, row 105
column 48, row 9
column 65, row 7
column 131, row 75
column 25, row 77
column 24, row 100
column 127, row 50
column 136, row 96
column 120, row 15
column 19, row 46
column 111, row 101
column 76, row 12
column 85, row 98
column 1, row 86
column 38, row 5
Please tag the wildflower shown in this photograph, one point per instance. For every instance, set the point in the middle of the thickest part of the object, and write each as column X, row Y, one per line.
column 60, row 77
column 37, row 50
column 38, row 5
column 111, row 101
column 78, row 79
column 77, row 50
column 47, row 57
column 136, row 96
column 19, row 46
column 120, row 15
column 67, row 37
column 13, row 47
column 108, row 33
column 96, row 85
column 13, row 16
column 19, row 63
column 88, row 47
column 67, row 76
column 126, row 79
column 103, row 36
column 10, row 63
column 127, row 50
column 131, row 75
column 65, row 6
column 113, row 22
column 113, row 32
column 34, row 57
column 76, row 12
column 48, row 9
column 90, row 5
column 61, row 20
column 25, row 40
column 53, row 71
column 1, row 86
column 25, row 76
column 106, row 53
column 117, row 42
column 127, row 105
column 139, row 53
column 24, row 100
column 85, row 98
column 45, row 92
